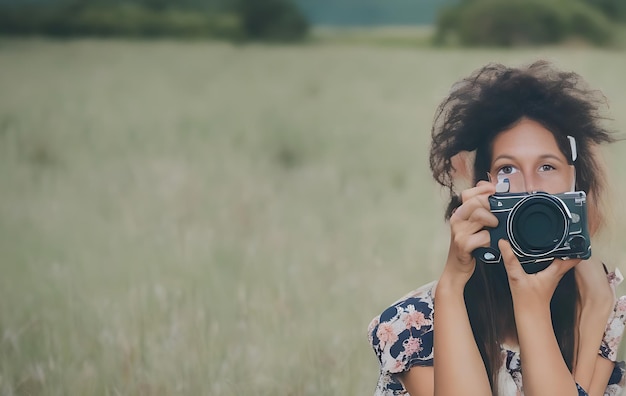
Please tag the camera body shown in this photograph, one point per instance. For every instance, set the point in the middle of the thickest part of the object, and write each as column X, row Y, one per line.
column 539, row 227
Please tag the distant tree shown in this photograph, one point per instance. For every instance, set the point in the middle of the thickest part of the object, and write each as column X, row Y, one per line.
column 155, row 5
column 615, row 10
column 271, row 20
column 121, row 18
column 522, row 22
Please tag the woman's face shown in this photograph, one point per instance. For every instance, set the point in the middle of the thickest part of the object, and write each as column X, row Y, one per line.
column 527, row 154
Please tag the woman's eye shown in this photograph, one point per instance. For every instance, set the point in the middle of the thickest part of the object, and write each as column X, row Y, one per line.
column 546, row 167
column 507, row 170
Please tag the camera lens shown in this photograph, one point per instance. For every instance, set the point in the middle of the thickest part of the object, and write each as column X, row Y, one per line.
column 537, row 225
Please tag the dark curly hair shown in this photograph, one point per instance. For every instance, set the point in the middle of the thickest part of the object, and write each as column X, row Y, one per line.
column 495, row 97
column 479, row 107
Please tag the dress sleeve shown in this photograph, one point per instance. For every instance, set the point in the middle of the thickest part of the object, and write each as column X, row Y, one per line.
column 402, row 336
column 614, row 330
column 617, row 380
column 612, row 338
column 616, row 323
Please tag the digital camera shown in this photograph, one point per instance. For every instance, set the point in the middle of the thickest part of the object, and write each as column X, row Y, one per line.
column 539, row 227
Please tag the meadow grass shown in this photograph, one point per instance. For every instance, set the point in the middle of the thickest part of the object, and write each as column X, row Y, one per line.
column 208, row 219
column 386, row 36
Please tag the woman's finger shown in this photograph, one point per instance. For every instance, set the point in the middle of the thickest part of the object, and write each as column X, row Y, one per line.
column 513, row 267
column 479, row 239
column 559, row 267
column 465, row 211
column 483, row 218
column 469, row 242
column 482, row 188
column 478, row 220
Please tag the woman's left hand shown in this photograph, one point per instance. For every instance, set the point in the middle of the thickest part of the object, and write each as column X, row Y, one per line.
column 532, row 294
column 534, row 290
column 545, row 370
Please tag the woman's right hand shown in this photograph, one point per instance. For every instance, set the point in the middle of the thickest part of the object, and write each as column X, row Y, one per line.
column 453, row 335
column 467, row 231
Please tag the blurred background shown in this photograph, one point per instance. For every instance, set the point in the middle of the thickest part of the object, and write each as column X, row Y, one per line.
column 215, row 197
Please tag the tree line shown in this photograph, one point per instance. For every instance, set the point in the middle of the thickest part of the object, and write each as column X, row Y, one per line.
column 459, row 22
column 227, row 19
column 529, row 22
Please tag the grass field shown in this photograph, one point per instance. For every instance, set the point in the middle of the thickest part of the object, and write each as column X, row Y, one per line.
column 207, row 219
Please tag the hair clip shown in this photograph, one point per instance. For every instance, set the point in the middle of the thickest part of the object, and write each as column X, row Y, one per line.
column 572, row 145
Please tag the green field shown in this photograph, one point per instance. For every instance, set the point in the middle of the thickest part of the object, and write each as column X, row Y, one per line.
column 208, row 219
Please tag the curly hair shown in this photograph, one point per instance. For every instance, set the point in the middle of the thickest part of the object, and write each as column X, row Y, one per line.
column 494, row 98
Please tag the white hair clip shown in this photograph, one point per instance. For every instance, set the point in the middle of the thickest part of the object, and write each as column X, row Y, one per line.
column 572, row 145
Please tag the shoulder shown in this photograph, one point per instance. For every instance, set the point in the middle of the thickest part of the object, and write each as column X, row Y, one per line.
column 402, row 335
column 412, row 307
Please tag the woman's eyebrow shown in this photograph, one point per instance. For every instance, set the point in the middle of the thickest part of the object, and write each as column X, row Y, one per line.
column 542, row 157
column 553, row 157
column 504, row 156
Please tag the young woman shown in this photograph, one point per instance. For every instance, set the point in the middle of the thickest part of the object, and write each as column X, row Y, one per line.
column 507, row 329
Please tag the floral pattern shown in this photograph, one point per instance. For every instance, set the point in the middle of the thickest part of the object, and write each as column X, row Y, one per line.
column 402, row 337
column 617, row 322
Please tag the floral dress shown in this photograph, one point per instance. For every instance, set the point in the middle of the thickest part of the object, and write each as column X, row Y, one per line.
column 402, row 337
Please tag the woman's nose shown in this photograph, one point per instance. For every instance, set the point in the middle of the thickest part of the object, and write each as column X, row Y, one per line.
column 531, row 184
column 521, row 182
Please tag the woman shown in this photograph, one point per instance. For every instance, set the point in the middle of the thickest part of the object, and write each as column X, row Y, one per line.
column 536, row 129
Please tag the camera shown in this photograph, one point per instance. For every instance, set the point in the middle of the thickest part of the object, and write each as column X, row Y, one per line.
column 539, row 227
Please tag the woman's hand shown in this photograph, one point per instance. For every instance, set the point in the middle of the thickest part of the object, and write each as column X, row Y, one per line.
column 532, row 291
column 459, row 368
column 545, row 370
column 467, row 231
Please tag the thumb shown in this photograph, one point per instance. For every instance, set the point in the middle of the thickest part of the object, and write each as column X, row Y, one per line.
column 558, row 268
column 512, row 265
